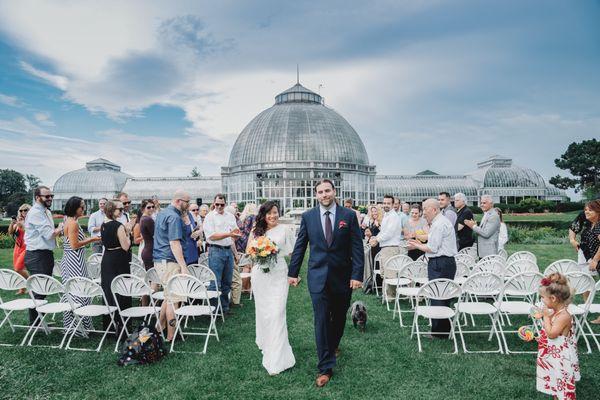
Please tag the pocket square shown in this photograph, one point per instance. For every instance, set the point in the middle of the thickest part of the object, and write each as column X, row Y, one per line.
column 342, row 224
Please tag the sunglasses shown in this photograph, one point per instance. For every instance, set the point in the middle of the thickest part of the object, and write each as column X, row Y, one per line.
column 149, row 207
column 194, row 210
column 48, row 196
column 126, row 203
column 185, row 201
column 23, row 210
column 219, row 204
column 120, row 208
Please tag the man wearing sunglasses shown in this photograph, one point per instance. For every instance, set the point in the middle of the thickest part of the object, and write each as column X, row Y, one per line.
column 220, row 231
column 40, row 238
column 95, row 223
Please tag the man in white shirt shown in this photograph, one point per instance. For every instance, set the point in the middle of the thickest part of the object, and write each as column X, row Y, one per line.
column 389, row 237
column 40, row 238
column 95, row 223
column 440, row 250
column 220, row 230
column 446, row 207
column 399, row 208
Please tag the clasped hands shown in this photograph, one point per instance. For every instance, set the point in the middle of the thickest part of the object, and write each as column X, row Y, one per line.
column 353, row 284
column 470, row 223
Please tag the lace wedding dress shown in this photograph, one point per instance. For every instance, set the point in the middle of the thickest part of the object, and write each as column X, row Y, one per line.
column 270, row 298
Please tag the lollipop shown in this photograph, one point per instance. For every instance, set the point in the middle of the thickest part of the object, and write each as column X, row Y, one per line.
column 526, row 333
column 536, row 312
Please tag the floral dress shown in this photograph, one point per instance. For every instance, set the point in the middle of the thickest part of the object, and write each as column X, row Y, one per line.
column 557, row 365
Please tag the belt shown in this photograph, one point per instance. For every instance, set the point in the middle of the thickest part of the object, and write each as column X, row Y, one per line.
column 219, row 246
column 394, row 245
column 115, row 248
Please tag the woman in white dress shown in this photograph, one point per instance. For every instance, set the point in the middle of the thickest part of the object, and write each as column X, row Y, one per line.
column 270, row 293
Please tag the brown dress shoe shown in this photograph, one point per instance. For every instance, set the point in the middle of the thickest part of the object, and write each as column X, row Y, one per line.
column 322, row 380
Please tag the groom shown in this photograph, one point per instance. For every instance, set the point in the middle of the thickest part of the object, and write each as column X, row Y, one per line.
column 335, row 267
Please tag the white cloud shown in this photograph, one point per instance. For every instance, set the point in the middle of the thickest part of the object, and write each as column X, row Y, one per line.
column 58, row 81
column 44, row 118
column 11, row 101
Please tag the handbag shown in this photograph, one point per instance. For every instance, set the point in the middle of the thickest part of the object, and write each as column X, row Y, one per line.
column 143, row 346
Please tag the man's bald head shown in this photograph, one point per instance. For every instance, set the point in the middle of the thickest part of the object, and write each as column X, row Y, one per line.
column 181, row 200
column 431, row 208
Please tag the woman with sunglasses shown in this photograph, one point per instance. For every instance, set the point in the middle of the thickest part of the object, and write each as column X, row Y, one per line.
column 147, row 232
column 17, row 231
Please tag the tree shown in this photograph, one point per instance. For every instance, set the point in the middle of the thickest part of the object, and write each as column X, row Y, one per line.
column 582, row 160
column 32, row 182
column 195, row 173
column 11, row 183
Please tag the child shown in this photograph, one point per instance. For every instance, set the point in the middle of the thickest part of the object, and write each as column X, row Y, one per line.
column 557, row 364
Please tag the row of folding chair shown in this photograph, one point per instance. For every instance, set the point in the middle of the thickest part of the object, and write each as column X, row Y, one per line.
column 86, row 290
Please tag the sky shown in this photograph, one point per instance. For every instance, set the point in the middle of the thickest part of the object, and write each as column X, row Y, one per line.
column 160, row 87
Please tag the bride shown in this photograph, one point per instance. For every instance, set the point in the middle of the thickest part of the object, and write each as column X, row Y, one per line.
column 270, row 293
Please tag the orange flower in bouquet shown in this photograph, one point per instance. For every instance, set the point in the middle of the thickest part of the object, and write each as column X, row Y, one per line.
column 263, row 251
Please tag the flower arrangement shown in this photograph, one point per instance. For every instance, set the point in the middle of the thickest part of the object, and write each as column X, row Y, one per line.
column 263, row 252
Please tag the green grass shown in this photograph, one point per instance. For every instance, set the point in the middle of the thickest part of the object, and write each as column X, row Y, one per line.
column 569, row 216
column 382, row 363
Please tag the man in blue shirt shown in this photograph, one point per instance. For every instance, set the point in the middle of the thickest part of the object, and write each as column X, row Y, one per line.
column 168, row 253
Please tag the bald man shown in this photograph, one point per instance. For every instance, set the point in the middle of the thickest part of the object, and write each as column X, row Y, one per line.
column 168, row 252
column 440, row 250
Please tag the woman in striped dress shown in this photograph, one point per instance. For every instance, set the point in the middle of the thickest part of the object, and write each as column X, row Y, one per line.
column 73, row 261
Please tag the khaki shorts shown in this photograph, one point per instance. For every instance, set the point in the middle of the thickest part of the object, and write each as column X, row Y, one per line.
column 165, row 271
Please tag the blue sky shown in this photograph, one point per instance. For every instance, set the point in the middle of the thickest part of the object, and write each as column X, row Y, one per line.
column 161, row 87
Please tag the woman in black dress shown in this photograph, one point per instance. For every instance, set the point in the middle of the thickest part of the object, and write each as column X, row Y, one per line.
column 116, row 258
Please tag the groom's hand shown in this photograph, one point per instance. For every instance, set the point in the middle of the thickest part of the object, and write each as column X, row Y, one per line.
column 355, row 284
column 293, row 281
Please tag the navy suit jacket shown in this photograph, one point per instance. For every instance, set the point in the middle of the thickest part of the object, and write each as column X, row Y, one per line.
column 333, row 265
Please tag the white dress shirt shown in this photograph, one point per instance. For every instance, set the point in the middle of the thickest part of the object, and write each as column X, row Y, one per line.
column 442, row 239
column 450, row 214
column 390, row 233
column 96, row 220
column 404, row 220
column 502, row 236
column 219, row 223
column 39, row 229
column 123, row 218
column 331, row 210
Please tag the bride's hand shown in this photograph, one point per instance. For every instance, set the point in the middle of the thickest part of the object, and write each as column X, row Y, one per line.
column 293, row 281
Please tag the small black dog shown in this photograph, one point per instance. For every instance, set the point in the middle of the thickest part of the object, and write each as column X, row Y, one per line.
column 359, row 315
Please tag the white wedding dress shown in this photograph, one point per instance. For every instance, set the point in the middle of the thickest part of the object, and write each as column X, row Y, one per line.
column 270, row 298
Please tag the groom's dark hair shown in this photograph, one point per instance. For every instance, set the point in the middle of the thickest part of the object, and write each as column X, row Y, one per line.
column 322, row 181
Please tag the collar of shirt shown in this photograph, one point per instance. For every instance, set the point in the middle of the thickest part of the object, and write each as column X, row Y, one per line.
column 173, row 208
column 331, row 209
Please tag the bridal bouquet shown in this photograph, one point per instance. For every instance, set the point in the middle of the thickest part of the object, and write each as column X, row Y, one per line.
column 263, row 252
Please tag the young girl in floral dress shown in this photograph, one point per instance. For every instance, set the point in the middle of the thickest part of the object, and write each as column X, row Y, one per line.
column 557, row 363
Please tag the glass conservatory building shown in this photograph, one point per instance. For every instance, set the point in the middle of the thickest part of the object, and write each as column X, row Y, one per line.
column 286, row 149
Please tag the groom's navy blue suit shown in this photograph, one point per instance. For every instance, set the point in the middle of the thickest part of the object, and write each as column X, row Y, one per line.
column 330, row 268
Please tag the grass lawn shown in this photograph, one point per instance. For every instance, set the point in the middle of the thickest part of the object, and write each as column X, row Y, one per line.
column 382, row 363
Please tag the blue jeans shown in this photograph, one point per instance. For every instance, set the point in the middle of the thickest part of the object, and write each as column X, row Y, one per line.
column 220, row 261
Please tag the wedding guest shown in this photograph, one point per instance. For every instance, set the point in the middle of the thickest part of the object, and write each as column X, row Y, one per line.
column 579, row 224
column 349, row 203
column 236, row 278
column 116, row 238
column 397, row 205
column 72, row 263
column 168, row 253
column 95, row 222
column 446, row 208
column 389, row 237
column 136, row 232
column 195, row 211
column 246, row 223
column 40, row 238
column 220, row 230
column 16, row 229
column 487, row 233
column 590, row 240
column 464, row 234
column 156, row 207
column 406, row 209
column 503, row 233
column 125, row 217
column 401, row 214
column 416, row 228
column 190, row 238
column 147, row 232
column 440, row 250
column 371, row 225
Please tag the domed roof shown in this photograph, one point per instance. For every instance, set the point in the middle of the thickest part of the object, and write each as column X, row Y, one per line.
column 298, row 128
column 98, row 176
column 498, row 171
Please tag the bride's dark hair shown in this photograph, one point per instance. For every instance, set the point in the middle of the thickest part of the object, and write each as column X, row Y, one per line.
column 260, row 226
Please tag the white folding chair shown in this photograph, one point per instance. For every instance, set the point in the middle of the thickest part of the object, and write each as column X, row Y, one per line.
column 95, row 257
column 466, row 258
column 493, row 266
column 563, row 267
column 93, row 266
column 520, row 265
column 594, row 308
column 192, row 288
column 376, row 272
column 11, row 281
column 154, row 279
column 138, row 270
column 437, row 289
column 524, row 286
column 87, row 289
column 56, row 271
column 208, row 277
column 46, row 286
column 522, row 255
column 485, row 285
column 392, row 279
column 462, row 272
column 416, row 272
column 581, row 283
column 495, row 257
column 245, row 261
column 472, row 251
column 129, row 285
column 203, row 258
